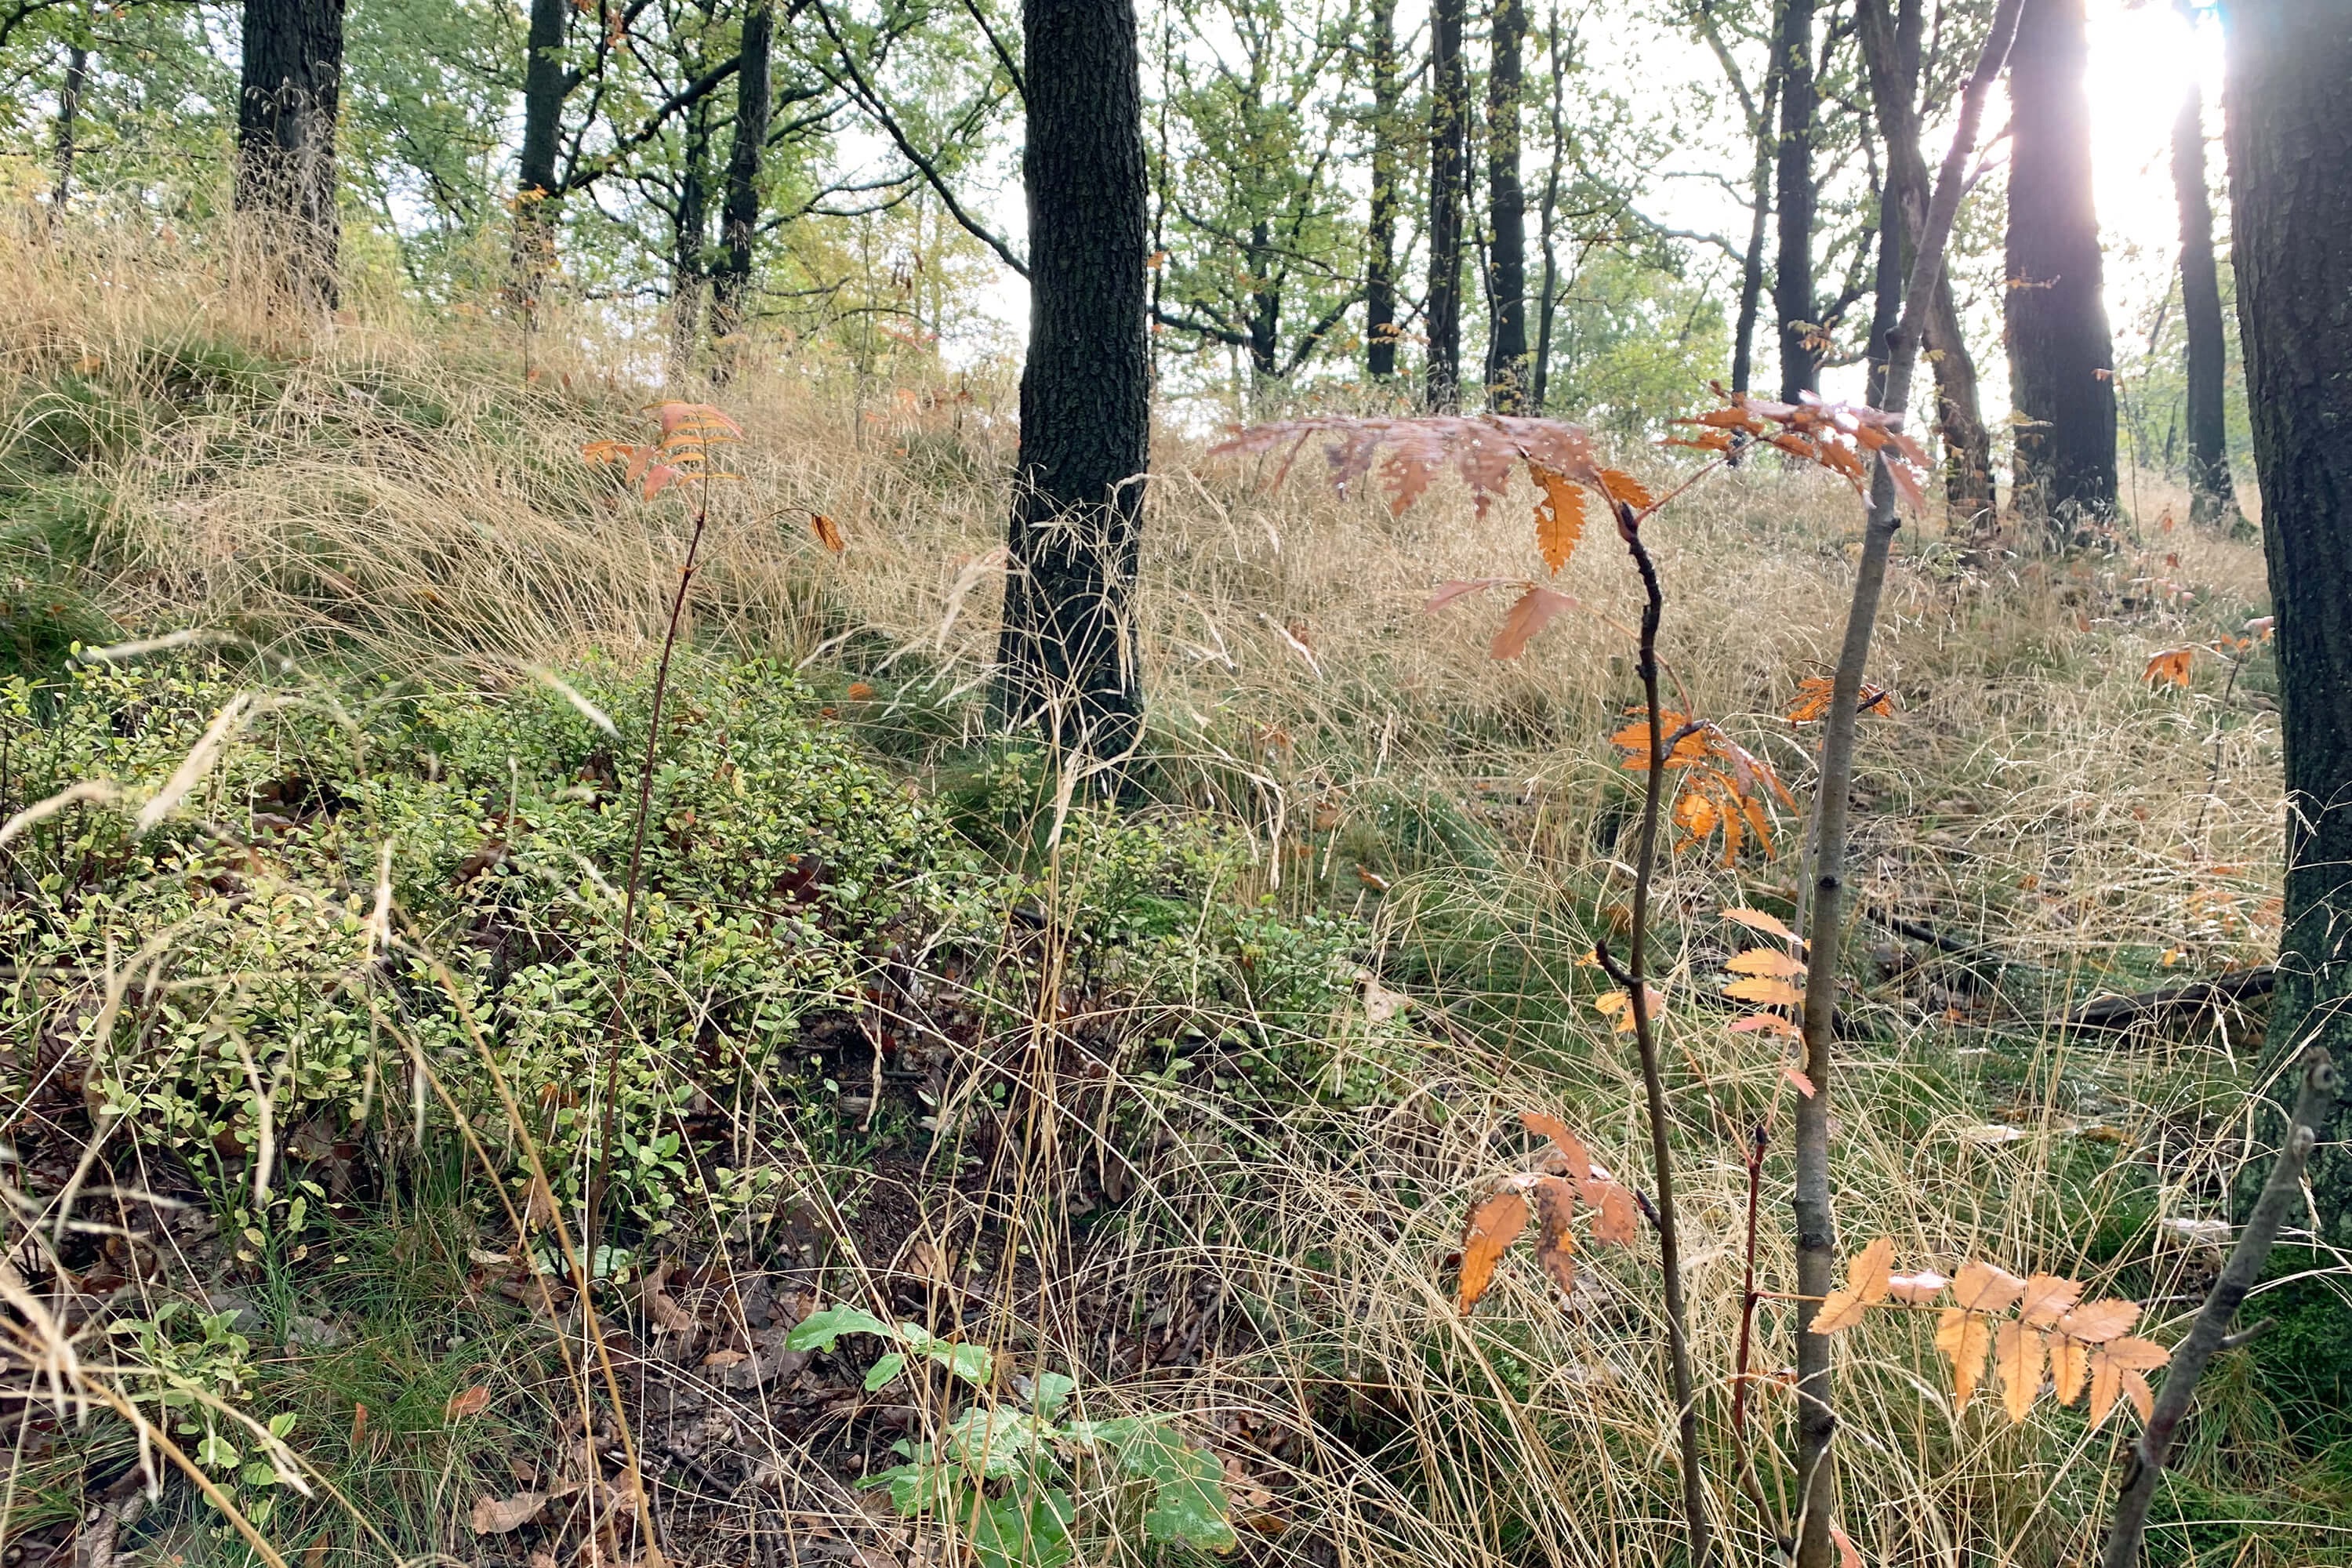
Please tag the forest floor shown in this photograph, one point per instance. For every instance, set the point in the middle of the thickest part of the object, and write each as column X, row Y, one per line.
column 311, row 1022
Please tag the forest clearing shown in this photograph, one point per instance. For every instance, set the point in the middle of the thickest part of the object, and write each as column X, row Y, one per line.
column 655, row 909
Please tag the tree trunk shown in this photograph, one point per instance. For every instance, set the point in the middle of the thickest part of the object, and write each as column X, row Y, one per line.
column 739, row 218
column 2061, row 360
column 1760, row 210
column 1969, row 496
column 689, row 264
column 1890, row 53
column 291, row 87
column 2213, row 500
column 1380, row 233
column 1793, row 275
column 68, row 111
column 1265, row 309
column 1449, row 106
column 2290, row 143
column 1506, row 206
column 1068, row 654
column 546, row 83
column 1547, row 297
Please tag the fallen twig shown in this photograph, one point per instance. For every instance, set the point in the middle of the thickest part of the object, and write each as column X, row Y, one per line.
column 2122, row 1012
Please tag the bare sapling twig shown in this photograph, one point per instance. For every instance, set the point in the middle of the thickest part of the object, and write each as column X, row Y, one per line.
column 1816, row 1229
column 1635, row 977
column 2211, row 1332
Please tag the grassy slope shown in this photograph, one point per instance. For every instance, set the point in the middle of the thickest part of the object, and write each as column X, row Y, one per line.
column 395, row 502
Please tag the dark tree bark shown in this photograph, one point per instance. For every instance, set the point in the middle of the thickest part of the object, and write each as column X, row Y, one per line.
column 68, row 111
column 291, row 87
column 1890, row 53
column 1547, row 295
column 1449, row 114
column 1265, row 305
column 690, row 241
column 1960, row 418
column 2290, row 143
column 546, row 83
column 1380, row 233
column 2061, row 360
column 1068, row 653
column 1751, row 264
column 739, row 218
column 1794, row 200
column 2213, row 498
column 1507, row 217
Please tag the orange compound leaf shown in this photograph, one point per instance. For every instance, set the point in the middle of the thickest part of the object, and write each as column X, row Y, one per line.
column 1983, row 1287
column 1534, row 610
column 1964, row 1337
column 1493, row 1225
column 1554, row 1202
column 2169, row 667
column 1765, row 990
column 1916, row 1290
column 1812, row 700
column 1765, row 961
column 828, row 532
column 2046, row 1298
column 1579, row 1161
column 1559, row 515
column 2018, row 1352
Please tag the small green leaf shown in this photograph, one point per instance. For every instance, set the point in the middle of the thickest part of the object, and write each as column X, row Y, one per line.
column 883, row 1371
column 1021, row 1532
column 1051, row 1391
column 822, row 1331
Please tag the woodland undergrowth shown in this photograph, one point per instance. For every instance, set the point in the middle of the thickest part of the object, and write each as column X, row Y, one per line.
column 307, row 1073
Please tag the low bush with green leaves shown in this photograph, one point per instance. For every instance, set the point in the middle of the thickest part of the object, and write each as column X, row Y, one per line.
column 999, row 1471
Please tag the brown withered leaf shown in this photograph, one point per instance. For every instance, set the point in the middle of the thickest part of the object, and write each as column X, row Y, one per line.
column 1579, row 1161
column 1493, row 1225
column 2018, row 1352
column 1559, row 515
column 502, row 1516
column 1964, row 1337
column 1534, row 610
column 1555, row 1200
column 1619, row 1218
column 469, row 1402
column 828, row 532
column 1462, row 588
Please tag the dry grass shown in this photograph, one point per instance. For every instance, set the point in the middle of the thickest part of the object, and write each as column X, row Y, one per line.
column 2032, row 792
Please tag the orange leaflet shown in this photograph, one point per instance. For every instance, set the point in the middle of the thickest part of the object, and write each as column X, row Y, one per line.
column 1812, row 700
column 2045, row 1298
column 1916, row 1290
column 1534, row 611
column 2116, row 1368
column 1766, row 1024
column 1964, row 1337
column 1617, row 1221
column 1866, row 1285
column 828, row 532
column 1555, row 1199
column 1983, row 1287
column 1559, row 515
column 1579, row 1163
column 2171, row 667
column 1620, row 486
column 1756, row 920
column 2095, row 1322
column 1493, row 1225
column 1766, row 989
column 1765, row 961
